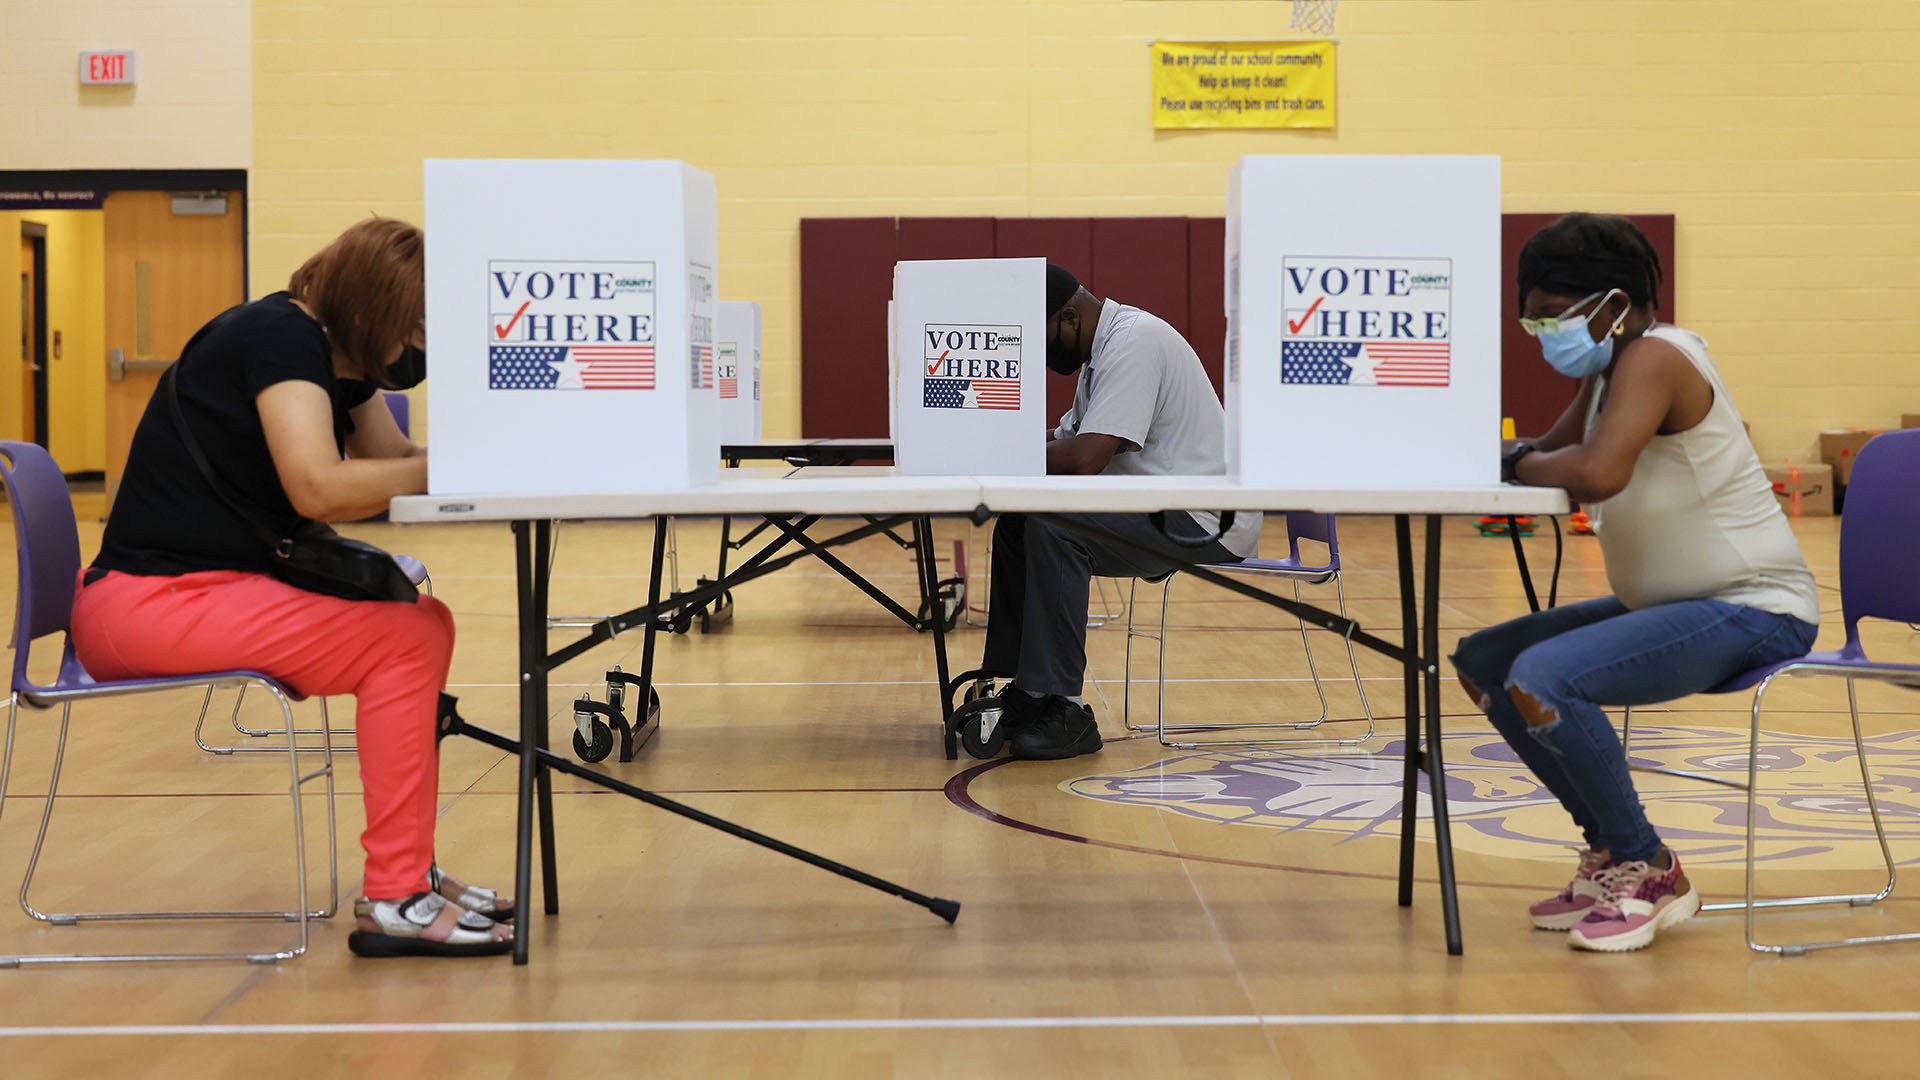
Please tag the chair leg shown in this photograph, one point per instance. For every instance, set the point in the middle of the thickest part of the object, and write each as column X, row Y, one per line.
column 46, row 815
column 255, row 733
column 1160, row 674
column 1306, row 645
column 302, row 915
column 1303, row 725
column 1126, row 662
column 1353, row 663
column 1753, row 904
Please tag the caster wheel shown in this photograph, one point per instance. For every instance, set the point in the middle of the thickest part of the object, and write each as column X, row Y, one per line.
column 977, row 690
column 599, row 748
column 979, row 724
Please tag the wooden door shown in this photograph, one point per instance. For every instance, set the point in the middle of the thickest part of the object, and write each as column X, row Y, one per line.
column 167, row 274
column 29, row 333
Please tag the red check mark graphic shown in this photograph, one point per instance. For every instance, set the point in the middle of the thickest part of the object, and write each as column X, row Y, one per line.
column 503, row 331
column 1294, row 327
column 934, row 368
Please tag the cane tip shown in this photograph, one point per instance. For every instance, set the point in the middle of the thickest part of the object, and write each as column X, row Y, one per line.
column 946, row 909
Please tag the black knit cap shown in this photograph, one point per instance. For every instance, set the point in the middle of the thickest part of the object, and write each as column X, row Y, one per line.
column 1061, row 287
column 1581, row 254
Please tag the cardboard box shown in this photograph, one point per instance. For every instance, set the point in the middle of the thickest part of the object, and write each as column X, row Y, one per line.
column 1838, row 448
column 1911, row 419
column 1815, row 487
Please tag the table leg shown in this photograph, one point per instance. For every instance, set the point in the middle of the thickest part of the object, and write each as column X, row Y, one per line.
column 930, row 588
column 1436, row 767
column 1410, row 676
column 533, row 643
column 543, row 777
column 644, row 703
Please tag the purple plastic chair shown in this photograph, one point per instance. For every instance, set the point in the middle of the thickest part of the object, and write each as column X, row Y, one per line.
column 1301, row 525
column 1877, row 581
column 49, row 556
column 402, row 411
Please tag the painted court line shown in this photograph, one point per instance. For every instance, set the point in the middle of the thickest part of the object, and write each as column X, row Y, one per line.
column 965, row 1023
column 904, row 682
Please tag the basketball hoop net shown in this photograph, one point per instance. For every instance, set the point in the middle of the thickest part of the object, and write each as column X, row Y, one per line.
column 1314, row 16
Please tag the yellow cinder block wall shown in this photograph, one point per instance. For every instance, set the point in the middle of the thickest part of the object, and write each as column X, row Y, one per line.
column 1782, row 134
column 189, row 109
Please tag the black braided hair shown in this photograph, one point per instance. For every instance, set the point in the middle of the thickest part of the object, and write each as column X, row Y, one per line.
column 1588, row 253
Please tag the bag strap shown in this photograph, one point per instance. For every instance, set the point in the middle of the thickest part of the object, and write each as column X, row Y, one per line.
column 221, row 489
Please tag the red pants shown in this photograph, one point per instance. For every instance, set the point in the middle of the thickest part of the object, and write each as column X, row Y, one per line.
column 392, row 658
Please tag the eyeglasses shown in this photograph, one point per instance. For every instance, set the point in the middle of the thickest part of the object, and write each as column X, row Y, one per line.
column 1551, row 324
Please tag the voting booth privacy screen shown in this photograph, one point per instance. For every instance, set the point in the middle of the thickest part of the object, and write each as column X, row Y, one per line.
column 737, row 367
column 969, row 349
column 1363, row 345
column 571, row 310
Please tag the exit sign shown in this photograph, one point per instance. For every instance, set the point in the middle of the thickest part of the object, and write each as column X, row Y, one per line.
column 106, row 68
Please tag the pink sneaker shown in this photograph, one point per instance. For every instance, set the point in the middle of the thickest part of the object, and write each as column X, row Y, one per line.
column 1573, row 903
column 1641, row 900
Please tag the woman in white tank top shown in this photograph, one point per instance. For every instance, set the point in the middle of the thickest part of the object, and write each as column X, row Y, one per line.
column 1707, row 578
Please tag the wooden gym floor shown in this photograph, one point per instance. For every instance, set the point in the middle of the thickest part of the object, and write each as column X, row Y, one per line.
column 1144, row 911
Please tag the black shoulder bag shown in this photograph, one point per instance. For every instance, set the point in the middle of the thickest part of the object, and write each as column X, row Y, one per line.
column 312, row 557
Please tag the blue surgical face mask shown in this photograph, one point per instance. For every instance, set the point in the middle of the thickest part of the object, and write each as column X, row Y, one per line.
column 1568, row 345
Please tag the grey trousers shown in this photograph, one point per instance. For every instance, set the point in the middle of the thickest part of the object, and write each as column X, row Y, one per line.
column 1037, row 618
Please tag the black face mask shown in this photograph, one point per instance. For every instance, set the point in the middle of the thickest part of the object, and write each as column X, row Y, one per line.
column 408, row 371
column 1062, row 358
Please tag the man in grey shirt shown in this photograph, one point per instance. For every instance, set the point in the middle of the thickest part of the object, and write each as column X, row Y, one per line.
column 1143, row 407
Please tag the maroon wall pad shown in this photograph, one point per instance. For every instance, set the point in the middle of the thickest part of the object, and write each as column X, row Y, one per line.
column 1142, row 262
column 1066, row 242
column 1207, row 296
column 1531, row 392
column 946, row 238
column 846, row 279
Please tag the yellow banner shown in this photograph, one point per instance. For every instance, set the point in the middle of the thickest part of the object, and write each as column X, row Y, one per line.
column 1243, row 84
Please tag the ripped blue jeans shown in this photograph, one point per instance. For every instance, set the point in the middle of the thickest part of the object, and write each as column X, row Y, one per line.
column 1577, row 658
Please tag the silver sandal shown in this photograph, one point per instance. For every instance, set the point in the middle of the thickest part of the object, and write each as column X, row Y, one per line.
column 483, row 902
column 402, row 922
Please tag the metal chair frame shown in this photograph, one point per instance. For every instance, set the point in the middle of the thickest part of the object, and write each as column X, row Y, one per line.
column 1888, row 673
column 48, row 551
column 1160, row 727
column 302, row 916
column 1875, row 536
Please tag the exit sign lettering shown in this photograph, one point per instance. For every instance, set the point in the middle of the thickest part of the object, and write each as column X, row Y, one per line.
column 106, row 68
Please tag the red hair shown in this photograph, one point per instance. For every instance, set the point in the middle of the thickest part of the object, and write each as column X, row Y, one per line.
column 368, row 289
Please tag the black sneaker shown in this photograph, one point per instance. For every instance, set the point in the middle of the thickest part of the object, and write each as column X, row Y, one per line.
column 1019, row 711
column 1063, row 730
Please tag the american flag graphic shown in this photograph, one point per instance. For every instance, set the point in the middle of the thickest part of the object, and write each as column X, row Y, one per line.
column 729, row 386
column 702, row 366
column 1365, row 363
column 570, row 367
column 972, row 393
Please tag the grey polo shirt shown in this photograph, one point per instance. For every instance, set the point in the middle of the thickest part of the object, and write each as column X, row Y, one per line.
column 1145, row 386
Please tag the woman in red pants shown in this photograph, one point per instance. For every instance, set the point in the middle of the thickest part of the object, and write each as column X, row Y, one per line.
column 281, row 394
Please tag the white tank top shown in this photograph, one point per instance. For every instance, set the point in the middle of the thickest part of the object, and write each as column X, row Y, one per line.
column 1698, row 520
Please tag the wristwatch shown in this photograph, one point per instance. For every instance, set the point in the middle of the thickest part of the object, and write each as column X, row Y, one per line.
column 1511, row 459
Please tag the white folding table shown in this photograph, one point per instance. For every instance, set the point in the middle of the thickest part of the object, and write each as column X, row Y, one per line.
column 887, row 500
